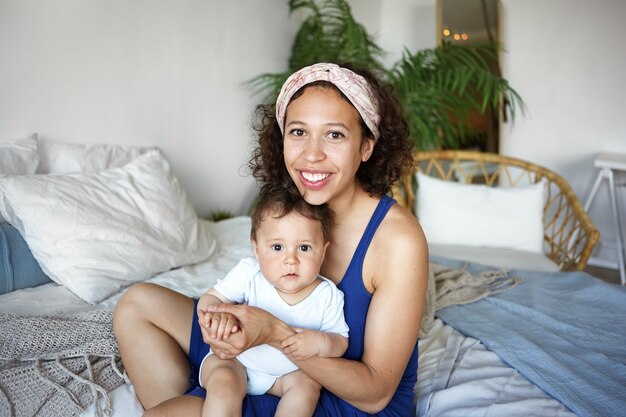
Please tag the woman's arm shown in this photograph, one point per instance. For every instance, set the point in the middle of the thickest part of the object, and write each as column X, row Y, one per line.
column 400, row 275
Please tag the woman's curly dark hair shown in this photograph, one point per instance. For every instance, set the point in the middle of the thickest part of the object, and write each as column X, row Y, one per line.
column 392, row 156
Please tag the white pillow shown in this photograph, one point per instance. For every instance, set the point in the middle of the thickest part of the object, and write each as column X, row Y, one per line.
column 64, row 158
column 19, row 157
column 478, row 215
column 98, row 232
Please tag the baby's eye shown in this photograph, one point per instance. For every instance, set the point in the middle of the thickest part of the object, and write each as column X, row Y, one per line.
column 305, row 248
column 277, row 247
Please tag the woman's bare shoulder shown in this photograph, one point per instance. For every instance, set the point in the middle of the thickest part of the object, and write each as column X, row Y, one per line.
column 402, row 226
column 399, row 248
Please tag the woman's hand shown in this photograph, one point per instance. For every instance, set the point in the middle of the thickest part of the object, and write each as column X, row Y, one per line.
column 256, row 327
column 223, row 349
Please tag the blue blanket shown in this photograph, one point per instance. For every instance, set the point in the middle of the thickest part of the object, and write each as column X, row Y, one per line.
column 565, row 332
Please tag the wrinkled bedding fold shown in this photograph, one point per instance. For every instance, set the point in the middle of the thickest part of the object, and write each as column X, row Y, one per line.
column 565, row 332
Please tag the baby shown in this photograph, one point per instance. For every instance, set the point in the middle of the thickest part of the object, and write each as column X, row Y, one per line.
column 289, row 238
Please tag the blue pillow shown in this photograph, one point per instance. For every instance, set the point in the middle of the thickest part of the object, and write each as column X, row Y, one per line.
column 18, row 267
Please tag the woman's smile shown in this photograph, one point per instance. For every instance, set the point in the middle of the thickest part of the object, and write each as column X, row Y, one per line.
column 314, row 176
column 314, row 180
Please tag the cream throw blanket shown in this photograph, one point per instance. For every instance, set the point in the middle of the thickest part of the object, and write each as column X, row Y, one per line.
column 58, row 365
column 447, row 286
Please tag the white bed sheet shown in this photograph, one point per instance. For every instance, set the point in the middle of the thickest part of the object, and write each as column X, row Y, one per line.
column 496, row 257
column 458, row 376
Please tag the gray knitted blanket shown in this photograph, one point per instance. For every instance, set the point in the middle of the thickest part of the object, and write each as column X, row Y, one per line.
column 58, row 365
column 447, row 286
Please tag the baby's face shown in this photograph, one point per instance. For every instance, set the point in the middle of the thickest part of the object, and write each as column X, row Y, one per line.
column 290, row 251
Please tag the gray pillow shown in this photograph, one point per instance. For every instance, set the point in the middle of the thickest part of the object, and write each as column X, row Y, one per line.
column 18, row 267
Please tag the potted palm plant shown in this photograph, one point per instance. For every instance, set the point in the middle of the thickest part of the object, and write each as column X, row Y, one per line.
column 440, row 88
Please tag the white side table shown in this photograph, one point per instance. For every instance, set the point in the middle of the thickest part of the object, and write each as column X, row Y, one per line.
column 608, row 163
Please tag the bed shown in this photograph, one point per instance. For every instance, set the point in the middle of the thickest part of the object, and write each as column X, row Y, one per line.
column 550, row 345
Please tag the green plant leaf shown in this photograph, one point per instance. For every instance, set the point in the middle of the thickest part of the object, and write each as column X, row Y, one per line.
column 328, row 33
column 439, row 88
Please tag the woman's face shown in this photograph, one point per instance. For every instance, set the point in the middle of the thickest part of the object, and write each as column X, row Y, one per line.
column 322, row 145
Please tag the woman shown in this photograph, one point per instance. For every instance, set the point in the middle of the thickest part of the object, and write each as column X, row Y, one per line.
column 339, row 135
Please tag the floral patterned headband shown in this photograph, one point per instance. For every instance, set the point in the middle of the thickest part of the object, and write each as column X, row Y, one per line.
column 354, row 86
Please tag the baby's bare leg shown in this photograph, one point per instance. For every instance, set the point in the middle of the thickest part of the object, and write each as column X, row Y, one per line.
column 225, row 382
column 299, row 394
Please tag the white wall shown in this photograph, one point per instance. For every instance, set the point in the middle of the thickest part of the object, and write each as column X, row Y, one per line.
column 398, row 24
column 566, row 58
column 170, row 74
column 145, row 72
column 162, row 73
column 407, row 24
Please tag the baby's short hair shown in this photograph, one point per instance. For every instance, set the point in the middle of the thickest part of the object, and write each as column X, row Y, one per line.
column 280, row 200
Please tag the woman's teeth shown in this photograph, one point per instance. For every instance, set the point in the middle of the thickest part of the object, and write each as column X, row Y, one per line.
column 314, row 177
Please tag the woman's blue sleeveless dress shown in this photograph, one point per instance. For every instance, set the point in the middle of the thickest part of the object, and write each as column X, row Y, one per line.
column 356, row 304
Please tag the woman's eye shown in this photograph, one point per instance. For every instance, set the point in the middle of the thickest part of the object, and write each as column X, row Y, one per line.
column 277, row 247
column 305, row 248
column 335, row 135
column 296, row 132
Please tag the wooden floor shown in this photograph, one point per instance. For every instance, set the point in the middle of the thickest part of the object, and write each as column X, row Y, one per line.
column 608, row 275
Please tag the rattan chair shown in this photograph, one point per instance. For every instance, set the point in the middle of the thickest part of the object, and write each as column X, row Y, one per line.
column 569, row 234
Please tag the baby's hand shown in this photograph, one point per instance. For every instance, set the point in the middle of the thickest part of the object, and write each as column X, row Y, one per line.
column 303, row 345
column 204, row 318
column 221, row 325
